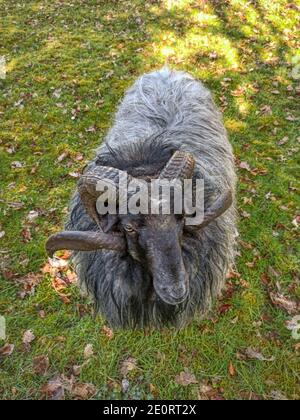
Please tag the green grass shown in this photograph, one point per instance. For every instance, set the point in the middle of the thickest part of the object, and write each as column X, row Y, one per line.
column 88, row 52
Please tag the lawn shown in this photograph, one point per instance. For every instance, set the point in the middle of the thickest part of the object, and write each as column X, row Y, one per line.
column 68, row 64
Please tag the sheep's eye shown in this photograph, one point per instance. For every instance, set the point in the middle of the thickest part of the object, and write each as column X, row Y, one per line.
column 129, row 228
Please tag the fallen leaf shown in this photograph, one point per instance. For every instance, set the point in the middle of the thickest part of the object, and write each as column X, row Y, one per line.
column 231, row 369
column 238, row 92
column 28, row 337
column 224, row 308
column 296, row 221
column 40, row 365
column 62, row 157
column 91, row 129
column 290, row 306
column 53, row 390
column 74, row 174
column 56, row 93
column 207, row 392
column 58, row 285
column 83, row 391
column 254, row 354
column 127, row 366
column 10, row 150
column 277, row 395
column 28, row 284
column 32, row 215
column 42, row 314
column 283, row 141
column 16, row 205
column 233, row 274
column 297, row 347
column 186, row 378
column 245, row 165
column 291, row 118
column 108, row 332
column 16, row 165
column 266, row 110
column 2, row 234
column 88, row 351
column 79, row 157
column 7, row 350
column 26, row 235
column 76, row 369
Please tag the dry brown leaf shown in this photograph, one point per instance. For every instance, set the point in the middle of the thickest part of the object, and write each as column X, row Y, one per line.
column 76, row 369
column 26, row 234
column 53, row 390
column 290, row 306
column 42, row 314
column 186, row 378
column 58, row 262
column 108, row 332
column 74, row 174
column 62, row 157
column 28, row 337
column 254, row 354
column 245, row 165
column 16, row 165
column 297, row 347
column 79, row 157
column 7, row 350
column 32, row 215
column 83, row 391
column 284, row 140
column 28, row 284
column 206, row 392
column 40, row 365
column 127, row 366
column 88, row 351
column 231, row 369
column 278, row 396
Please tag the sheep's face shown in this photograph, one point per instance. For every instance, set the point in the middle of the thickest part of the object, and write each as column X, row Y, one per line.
column 155, row 242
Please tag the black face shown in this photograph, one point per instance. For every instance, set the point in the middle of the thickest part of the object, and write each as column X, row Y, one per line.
column 155, row 242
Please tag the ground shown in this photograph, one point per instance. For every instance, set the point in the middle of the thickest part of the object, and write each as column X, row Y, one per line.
column 68, row 64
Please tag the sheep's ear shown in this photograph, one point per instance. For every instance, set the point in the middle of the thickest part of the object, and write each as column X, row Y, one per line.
column 108, row 222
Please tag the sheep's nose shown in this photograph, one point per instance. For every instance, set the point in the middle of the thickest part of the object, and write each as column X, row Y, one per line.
column 178, row 292
column 173, row 293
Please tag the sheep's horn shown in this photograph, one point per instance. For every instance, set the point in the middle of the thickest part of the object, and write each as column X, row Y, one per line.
column 84, row 241
column 223, row 202
column 180, row 166
column 87, row 187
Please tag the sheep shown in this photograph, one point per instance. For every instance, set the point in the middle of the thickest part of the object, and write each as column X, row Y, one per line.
column 154, row 270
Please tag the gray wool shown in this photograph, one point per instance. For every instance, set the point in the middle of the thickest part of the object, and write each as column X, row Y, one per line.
column 177, row 111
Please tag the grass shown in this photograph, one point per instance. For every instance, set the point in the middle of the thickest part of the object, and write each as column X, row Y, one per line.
column 68, row 65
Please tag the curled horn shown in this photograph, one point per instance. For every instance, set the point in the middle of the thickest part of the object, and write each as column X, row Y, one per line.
column 219, row 206
column 87, row 187
column 84, row 241
column 90, row 240
column 180, row 166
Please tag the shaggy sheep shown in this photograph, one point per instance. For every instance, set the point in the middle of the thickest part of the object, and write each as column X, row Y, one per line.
column 150, row 269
